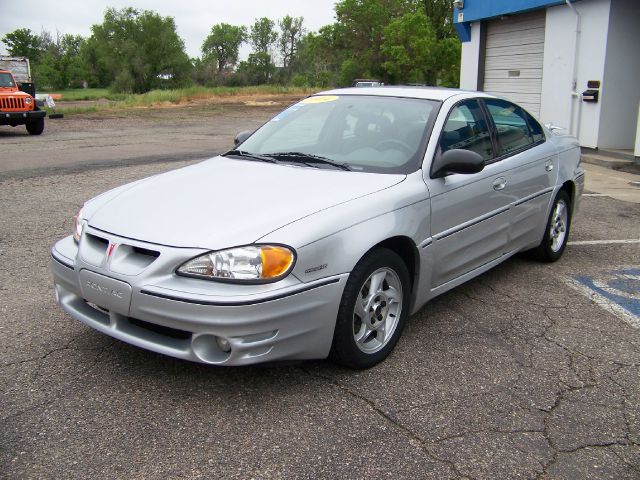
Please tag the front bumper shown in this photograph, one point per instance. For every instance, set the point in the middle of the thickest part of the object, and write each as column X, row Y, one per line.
column 293, row 322
column 20, row 118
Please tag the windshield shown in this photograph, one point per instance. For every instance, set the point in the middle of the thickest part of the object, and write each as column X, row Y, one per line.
column 364, row 133
column 6, row 80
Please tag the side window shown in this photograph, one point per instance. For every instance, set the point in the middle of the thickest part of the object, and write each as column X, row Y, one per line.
column 515, row 128
column 466, row 129
column 534, row 127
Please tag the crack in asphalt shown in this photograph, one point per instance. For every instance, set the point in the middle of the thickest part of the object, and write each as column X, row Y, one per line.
column 44, row 356
column 570, row 354
column 98, row 358
column 549, row 345
column 382, row 414
column 625, row 405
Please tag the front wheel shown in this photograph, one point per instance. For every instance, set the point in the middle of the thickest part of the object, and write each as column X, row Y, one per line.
column 557, row 230
column 373, row 310
column 35, row 127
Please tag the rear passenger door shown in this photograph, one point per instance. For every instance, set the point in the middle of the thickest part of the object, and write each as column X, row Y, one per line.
column 533, row 168
column 469, row 213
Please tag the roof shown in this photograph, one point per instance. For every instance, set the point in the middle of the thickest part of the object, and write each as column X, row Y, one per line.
column 429, row 93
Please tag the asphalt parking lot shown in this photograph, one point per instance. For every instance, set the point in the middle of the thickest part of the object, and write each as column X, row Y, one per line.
column 529, row 371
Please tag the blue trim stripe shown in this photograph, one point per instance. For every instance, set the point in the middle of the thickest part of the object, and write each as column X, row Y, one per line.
column 464, row 31
column 476, row 10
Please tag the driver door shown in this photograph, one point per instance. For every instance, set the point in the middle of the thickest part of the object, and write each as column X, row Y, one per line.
column 469, row 212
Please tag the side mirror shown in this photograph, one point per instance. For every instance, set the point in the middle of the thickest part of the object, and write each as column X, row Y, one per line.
column 456, row 161
column 241, row 137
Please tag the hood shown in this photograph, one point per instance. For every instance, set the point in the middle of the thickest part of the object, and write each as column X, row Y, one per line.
column 13, row 91
column 223, row 202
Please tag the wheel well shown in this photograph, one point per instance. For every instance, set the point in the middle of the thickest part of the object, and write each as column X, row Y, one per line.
column 407, row 250
column 570, row 188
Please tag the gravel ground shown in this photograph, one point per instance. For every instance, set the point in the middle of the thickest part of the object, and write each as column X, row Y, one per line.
column 513, row 375
column 128, row 137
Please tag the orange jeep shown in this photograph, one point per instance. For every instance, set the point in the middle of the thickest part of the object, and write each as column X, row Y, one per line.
column 17, row 107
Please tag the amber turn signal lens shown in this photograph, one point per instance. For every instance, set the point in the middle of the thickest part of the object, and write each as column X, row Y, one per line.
column 251, row 263
column 275, row 261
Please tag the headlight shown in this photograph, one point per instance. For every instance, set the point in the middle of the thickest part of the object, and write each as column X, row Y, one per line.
column 250, row 264
column 27, row 100
column 77, row 225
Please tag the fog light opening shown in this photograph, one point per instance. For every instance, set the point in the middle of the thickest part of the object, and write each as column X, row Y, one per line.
column 223, row 344
column 211, row 348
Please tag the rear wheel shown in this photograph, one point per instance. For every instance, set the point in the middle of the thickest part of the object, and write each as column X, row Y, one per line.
column 373, row 310
column 35, row 127
column 557, row 230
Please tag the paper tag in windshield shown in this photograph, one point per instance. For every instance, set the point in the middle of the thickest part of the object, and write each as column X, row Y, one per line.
column 320, row 99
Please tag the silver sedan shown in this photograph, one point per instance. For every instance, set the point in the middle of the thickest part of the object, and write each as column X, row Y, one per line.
column 323, row 230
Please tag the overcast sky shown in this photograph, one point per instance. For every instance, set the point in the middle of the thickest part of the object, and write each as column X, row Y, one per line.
column 193, row 18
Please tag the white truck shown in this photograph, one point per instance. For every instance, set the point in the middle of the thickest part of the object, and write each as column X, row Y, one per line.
column 21, row 70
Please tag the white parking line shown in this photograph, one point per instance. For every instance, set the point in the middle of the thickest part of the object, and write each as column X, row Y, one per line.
column 602, row 242
column 593, row 195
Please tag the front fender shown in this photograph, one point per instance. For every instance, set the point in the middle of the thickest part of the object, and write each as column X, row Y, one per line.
column 332, row 241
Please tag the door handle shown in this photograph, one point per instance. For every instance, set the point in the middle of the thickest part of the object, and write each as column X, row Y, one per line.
column 549, row 166
column 499, row 183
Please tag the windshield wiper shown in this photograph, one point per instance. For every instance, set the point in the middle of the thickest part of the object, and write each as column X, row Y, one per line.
column 252, row 156
column 307, row 159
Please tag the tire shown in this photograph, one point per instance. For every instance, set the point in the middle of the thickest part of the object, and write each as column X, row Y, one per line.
column 369, row 325
column 556, row 230
column 35, row 127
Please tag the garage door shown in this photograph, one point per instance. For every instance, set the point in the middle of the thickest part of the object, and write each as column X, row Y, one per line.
column 513, row 59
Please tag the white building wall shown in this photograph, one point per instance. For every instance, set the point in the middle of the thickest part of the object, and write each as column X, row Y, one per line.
column 558, row 105
column 470, row 62
column 636, row 150
column 621, row 86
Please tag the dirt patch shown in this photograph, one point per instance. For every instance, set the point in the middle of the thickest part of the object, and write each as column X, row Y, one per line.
column 138, row 135
column 254, row 100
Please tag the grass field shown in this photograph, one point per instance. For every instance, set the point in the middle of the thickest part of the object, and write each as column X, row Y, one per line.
column 175, row 96
column 106, row 100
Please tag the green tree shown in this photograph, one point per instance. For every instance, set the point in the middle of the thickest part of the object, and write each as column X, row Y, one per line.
column 440, row 12
column 140, row 49
column 409, row 46
column 223, row 44
column 263, row 35
column 415, row 54
column 382, row 39
column 362, row 23
column 55, row 63
column 23, row 43
column 321, row 55
column 98, row 73
column 291, row 32
column 449, row 56
column 257, row 69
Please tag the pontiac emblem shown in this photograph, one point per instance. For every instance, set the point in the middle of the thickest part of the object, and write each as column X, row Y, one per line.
column 111, row 248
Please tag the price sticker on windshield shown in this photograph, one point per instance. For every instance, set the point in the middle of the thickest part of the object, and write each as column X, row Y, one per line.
column 319, row 99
